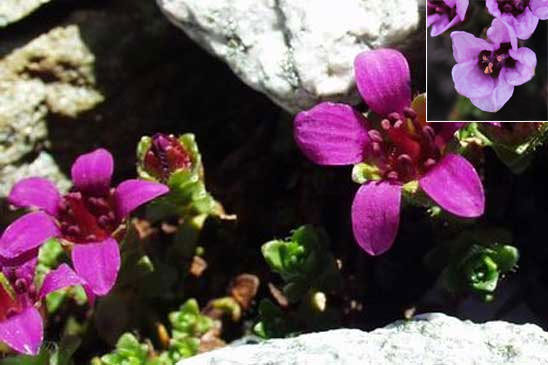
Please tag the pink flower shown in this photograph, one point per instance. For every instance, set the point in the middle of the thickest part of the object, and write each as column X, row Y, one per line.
column 401, row 148
column 88, row 215
column 488, row 70
column 521, row 15
column 21, row 324
column 445, row 14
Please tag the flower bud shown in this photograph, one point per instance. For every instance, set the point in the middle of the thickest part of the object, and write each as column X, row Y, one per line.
column 164, row 156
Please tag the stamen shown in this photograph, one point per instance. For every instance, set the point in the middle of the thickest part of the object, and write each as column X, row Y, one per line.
column 392, row 175
column 398, row 124
column 375, row 135
column 409, row 113
column 429, row 163
column 394, row 117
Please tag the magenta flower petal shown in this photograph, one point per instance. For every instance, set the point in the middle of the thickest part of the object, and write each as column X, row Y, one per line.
column 442, row 25
column 493, row 8
column 431, row 19
column 130, row 194
column 332, row 134
column 462, row 7
column 27, row 233
column 35, row 192
column 523, row 25
column 91, row 172
column 500, row 32
column 89, row 294
column 376, row 216
column 23, row 331
column 444, row 16
column 59, row 278
column 524, row 69
column 496, row 100
column 383, row 80
column 539, row 8
column 466, row 47
column 470, row 81
column 27, row 269
column 98, row 264
column 455, row 185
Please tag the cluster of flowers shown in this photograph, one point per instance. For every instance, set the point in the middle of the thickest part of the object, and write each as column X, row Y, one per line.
column 487, row 70
column 394, row 150
column 88, row 221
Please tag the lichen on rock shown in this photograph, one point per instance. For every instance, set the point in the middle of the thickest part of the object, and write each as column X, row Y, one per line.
column 426, row 339
column 53, row 74
column 14, row 10
column 297, row 52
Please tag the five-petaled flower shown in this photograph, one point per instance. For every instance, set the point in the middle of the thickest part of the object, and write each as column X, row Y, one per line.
column 521, row 15
column 487, row 71
column 402, row 148
column 445, row 14
column 88, row 216
column 21, row 326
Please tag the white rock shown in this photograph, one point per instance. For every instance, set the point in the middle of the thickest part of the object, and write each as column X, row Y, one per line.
column 297, row 52
column 14, row 10
column 433, row 339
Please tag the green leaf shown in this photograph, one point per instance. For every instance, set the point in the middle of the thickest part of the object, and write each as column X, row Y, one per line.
column 65, row 351
column 362, row 173
column 272, row 323
column 50, row 253
column 188, row 321
column 41, row 359
column 128, row 351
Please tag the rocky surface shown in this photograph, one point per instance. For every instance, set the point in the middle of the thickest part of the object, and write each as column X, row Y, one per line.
column 427, row 339
column 51, row 75
column 14, row 10
column 295, row 51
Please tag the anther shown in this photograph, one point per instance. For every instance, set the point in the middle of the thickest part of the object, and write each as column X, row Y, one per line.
column 376, row 147
column 393, row 117
column 429, row 163
column 375, row 135
column 392, row 175
column 409, row 113
column 385, row 124
column 74, row 230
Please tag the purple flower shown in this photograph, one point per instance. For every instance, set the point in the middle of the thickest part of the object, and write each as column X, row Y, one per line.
column 521, row 15
column 487, row 71
column 444, row 14
column 21, row 325
column 88, row 216
column 401, row 148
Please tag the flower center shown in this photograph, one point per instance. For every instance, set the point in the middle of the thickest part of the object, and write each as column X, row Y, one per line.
column 440, row 7
column 491, row 62
column 86, row 218
column 403, row 148
column 514, row 7
column 166, row 155
column 23, row 293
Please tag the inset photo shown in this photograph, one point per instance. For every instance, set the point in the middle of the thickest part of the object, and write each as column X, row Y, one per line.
column 487, row 60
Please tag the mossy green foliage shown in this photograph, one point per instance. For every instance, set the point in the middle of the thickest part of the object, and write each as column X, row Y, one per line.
column 187, row 326
column 308, row 270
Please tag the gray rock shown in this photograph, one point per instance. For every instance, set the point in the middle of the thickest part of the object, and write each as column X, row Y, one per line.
column 52, row 75
column 14, row 10
column 427, row 339
column 43, row 165
column 297, row 52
